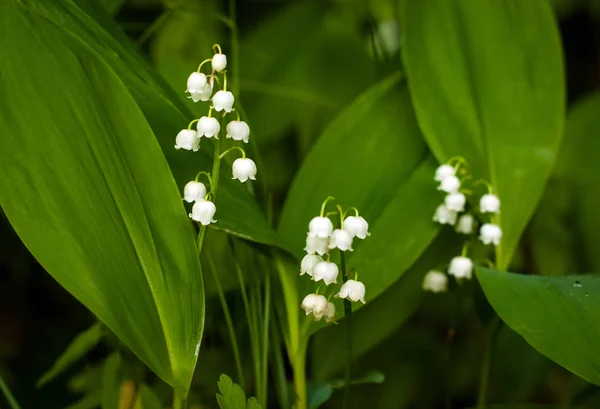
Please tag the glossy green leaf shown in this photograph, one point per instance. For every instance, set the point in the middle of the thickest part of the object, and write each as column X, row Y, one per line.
column 89, row 192
column 487, row 83
column 558, row 316
column 111, row 382
column 382, row 168
column 83, row 343
column 318, row 394
column 86, row 23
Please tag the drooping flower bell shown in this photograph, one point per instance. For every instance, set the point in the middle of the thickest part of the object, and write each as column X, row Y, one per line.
column 357, row 226
column 187, row 139
column 455, row 201
column 443, row 171
column 330, row 313
column 316, row 305
column 219, row 62
column 461, row 267
column 352, row 290
column 450, row 184
column 326, row 271
column 308, row 263
column 489, row 203
column 443, row 215
column 340, row 239
column 490, row 234
column 198, row 87
column 203, row 211
column 238, row 131
column 223, row 101
column 320, row 227
column 194, row 191
column 316, row 244
column 435, row 281
column 208, row 126
column 244, row 169
column 465, row 224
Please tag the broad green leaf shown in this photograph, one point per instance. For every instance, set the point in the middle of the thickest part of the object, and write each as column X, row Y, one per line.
column 382, row 168
column 487, row 83
column 558, row 316
column 89, row 192
column 83, row 343
column 111, row 382
column 89, row 25
column 576, row 170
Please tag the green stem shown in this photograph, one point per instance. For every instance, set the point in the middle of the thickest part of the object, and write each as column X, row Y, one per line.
column 281, row 383
column 8, row 394
column 265, row 339
column 216, row 164
column 228, row 321
column 177, row 401
column 299, row 369
column 348, row 318
column 485, row 365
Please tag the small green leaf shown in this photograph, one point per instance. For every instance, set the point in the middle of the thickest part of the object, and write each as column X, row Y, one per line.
column 91, row 400
column 558, row 316
column 83, row 343
column 111, row 382
column 369, row 377
column 487, row 82
column 232, row 395
column 253, row 404
column 318, row 394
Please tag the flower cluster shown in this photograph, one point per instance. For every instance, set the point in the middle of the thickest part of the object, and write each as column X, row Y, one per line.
column 200, row 87
column 463, row 211
column 321, row 240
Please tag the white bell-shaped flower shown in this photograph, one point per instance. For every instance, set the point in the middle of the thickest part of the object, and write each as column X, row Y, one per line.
column 317, row 245
column 243, row 169
column 435, row 281
column 208, row 126
column 461, row 267
column 194, row 191
column 465, row 224
column 455, row 201
column 223, row 101
column 340, row 239
column 320, row 227
column 316, row 305
column 450, row 184
column 443, row 215
column 357, row 226
column 326, row 271
column 204, row 95
column 308, row 263
column 203, row 211
column 352, row 290
column 197, row 84
column 489, row 203
column 187, row 139
column 238, row 131
column 490, row 234
column 219, row 62
column 443, row 171
column 330, row 313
